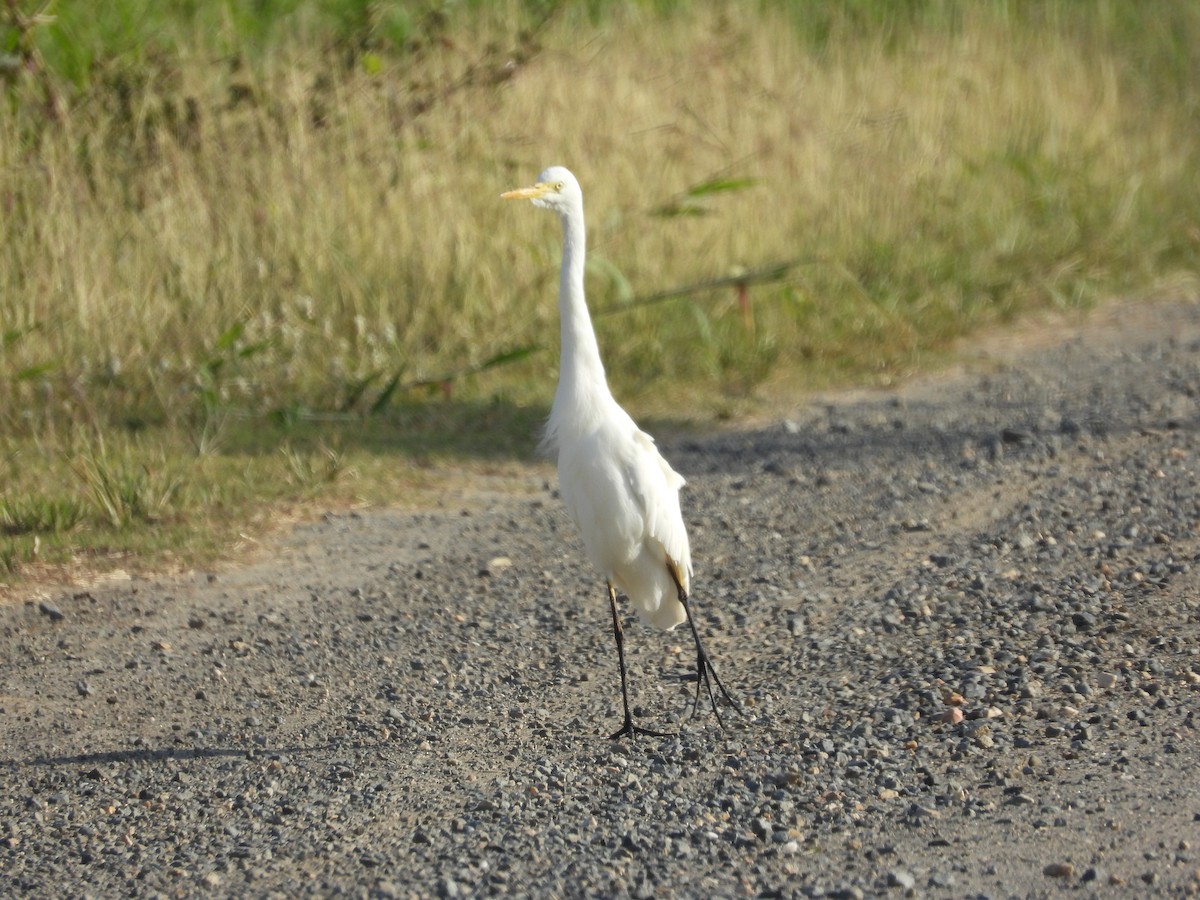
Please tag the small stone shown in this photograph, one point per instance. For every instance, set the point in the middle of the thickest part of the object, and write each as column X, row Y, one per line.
column 1059, row 870
column 1094, row 874
column 1015, row 435
column 982, row 735
column 1083, row 621
column 1105, row 680
column 952, row 716
column 49, row 609
column 496, row 565
column 902, row 879
column 917, row 811
column 83, row 688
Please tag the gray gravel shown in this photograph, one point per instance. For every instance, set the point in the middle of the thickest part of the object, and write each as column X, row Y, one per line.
column 963, row 618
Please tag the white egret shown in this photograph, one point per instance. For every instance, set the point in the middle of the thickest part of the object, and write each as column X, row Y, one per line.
column 622, row 495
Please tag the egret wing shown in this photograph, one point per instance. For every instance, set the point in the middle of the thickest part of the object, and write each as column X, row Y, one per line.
column 655, row 486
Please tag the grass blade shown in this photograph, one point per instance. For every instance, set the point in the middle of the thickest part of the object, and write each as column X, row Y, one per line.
column 721, row 186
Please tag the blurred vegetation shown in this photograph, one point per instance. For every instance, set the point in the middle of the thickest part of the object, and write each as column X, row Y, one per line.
column 252, row 254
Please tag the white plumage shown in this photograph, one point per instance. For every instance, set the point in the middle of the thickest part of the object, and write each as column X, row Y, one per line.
column 620, row 492
column 612, row 473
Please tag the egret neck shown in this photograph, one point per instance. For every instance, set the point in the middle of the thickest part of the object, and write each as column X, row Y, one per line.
column 582, row 387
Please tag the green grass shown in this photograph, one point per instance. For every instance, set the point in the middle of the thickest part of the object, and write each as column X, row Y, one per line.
column 252, row 256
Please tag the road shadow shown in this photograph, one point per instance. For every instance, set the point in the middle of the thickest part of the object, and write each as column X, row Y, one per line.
column 495, row 429
column 949, row 428
column 164, row 754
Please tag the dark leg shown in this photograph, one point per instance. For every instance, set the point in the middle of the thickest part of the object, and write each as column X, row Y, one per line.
column 628, row 729
column 706, row 673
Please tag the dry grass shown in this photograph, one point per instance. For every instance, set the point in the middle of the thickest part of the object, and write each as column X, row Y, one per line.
column 321, row 238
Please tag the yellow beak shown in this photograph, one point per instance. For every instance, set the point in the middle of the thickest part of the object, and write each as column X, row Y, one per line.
column 529, row 193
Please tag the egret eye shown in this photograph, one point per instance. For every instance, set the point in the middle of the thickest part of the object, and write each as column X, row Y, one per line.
column 558, row 186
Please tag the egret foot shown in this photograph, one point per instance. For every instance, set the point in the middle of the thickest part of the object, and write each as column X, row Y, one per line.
column 706, row 672
column 706, row 675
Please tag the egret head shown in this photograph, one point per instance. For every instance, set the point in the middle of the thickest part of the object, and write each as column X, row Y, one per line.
column 556, row 189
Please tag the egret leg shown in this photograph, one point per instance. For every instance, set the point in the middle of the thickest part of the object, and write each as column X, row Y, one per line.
column 706, row 672
column 628, row 729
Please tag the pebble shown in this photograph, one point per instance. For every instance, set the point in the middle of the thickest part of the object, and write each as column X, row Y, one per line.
column 1059, row 870
column 496, row 565
column 901, row 878
column 51, row 611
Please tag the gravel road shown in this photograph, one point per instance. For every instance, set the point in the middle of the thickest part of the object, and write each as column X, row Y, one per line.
column 963, row 619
